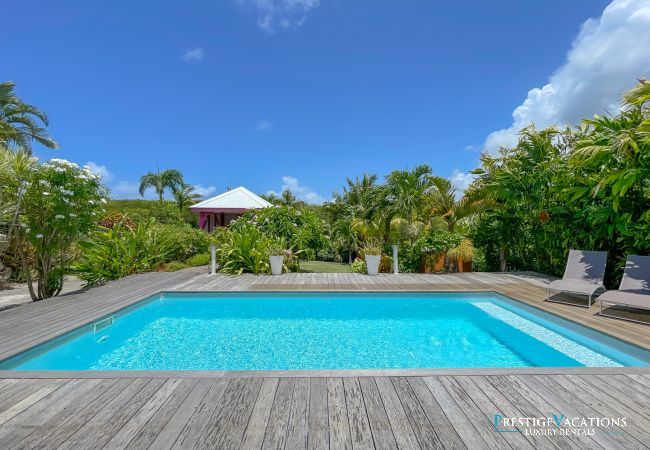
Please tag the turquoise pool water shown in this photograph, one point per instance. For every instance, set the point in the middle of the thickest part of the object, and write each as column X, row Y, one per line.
column 328, row 331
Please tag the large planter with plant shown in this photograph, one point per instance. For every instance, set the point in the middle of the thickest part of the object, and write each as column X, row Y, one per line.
column 277, row 251
column 435, row 247
column 372, row 264
column 277, row 261
column 433, row 262
column 462, row 256
column 372, row 255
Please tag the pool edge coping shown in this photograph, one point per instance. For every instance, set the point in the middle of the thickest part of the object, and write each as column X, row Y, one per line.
column 334, row 373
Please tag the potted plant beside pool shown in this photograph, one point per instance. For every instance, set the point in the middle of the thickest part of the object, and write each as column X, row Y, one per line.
column 372, row 255
column 277, row 252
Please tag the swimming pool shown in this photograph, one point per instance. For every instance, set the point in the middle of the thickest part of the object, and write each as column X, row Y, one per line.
column 267, row 331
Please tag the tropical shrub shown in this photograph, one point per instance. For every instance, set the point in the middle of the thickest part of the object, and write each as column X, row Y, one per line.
column 167, row 213
column 359, row 266
column 200, row 259
column 301, row 228
column 584, row 188
column 372, row 247
column 184, row 241
column 114, row 218
column 172, row 266
column 244, row 250
column 60, row 203
column 112, row 253
column 437, row 242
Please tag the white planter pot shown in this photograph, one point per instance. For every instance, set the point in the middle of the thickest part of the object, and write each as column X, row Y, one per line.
column 372, row 263
column 276, row 264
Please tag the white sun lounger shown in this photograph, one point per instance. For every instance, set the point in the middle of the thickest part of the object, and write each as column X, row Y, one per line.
column 583, row 275
column 634, row 291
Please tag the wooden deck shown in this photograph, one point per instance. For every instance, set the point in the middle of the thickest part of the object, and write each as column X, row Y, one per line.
column 317, row 413
column 326, row 409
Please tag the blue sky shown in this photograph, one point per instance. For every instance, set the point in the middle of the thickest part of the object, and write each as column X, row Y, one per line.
column 303, row 93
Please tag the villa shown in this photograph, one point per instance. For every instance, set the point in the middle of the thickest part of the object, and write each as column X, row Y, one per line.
column 222, row 209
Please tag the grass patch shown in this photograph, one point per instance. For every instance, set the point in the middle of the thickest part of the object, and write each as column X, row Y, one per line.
column 323, row 267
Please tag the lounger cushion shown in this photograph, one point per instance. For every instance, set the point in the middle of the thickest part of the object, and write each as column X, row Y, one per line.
column 637, row 299
column 577, row 286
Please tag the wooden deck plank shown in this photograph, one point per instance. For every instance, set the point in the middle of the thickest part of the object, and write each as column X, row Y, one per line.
column 148, row 432
column 633, row 434
column 548, row 400
column 379, row 424
column 338, row 415
column 15, row 430
column 454, row 413
column 504, row 405
column 298, row 427
column 30, row 400
column 131, row 428
column 227, row 425
column 529, row 406
column 318, row 434
column 101, row 428
column 192, row 430
column 357, row 417
column 176, row 424
column 400, row 425
column 275, row 436
column 480, row 409
column 258, row 421
column 438, row 419
column 423, row 430
column 55, row 436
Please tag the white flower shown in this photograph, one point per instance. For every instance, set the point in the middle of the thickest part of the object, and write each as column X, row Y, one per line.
column 103, row 200
column 46, row 193
column 59, row 216
column 73, row 215
column 39, row 236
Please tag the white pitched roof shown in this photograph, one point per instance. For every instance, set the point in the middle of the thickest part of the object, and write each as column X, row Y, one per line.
column 239, row 198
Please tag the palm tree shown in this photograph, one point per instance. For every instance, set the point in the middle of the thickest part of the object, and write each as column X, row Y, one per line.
column 404, row 195
column 346, row 234
column 185, row 196
column 20, row 123
column 170, row 178
column 15, row 167
column 446, row 204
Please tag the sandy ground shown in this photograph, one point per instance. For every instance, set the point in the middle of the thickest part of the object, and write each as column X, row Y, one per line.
column 17, row 293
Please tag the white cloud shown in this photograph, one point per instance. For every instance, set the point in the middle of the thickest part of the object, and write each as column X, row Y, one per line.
column 193, row 55
column 204, row 191
column 129, row 190
column 461, row 180
column 606, row 58
column 303, row 193
column 284, row 14
column 264, row 125
column 102, row 171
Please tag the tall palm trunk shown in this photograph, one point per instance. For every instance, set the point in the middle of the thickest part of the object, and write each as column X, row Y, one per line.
column 503, row 251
